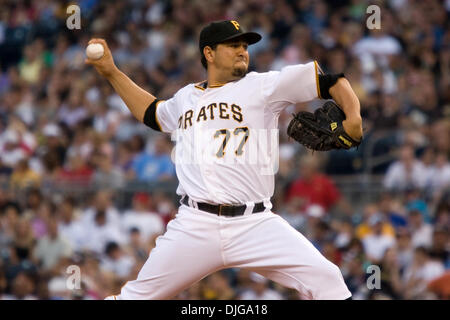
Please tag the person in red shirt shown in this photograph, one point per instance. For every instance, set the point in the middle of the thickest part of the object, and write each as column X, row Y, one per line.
column 77, row 171
column 313, row 187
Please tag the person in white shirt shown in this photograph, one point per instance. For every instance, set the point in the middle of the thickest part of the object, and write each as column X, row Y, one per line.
column 376, row 49
column 376, row 243
column 101, row 224
column 422, row 271
column 69, row 225
column 226, row 132
column 259, row 290
column 140, row 217
column 11, row 151
column 440, row 176
column 406, row 172
column 115, row 260
column 52, row 248
column 422, row 233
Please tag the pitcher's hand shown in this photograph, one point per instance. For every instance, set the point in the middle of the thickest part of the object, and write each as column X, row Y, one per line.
column 105, row 65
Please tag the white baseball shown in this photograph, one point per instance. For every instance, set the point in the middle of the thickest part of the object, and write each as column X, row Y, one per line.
column 95, row 51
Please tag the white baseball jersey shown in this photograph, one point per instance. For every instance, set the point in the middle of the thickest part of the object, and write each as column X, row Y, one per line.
column 226, row 136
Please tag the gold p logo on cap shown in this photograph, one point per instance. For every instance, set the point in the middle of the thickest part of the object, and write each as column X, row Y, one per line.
column 235, row 24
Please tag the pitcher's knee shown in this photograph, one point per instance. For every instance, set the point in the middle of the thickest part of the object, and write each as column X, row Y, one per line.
column 333, row 272
column 138, row 290
column 330, row 283
column 148, row 289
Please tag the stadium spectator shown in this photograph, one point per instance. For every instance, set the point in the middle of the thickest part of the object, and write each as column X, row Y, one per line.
column 23, row 176
column 440, row 247
column 124, row 159
column 439, row 178
column 24, row 240
column 414, row 199
column 422, row 233
column 52, row 151
column 106, row 175
column 101, row 224
column 72, row 112
column 355, row 277
column 315, row 228
column 366, row 226
column 75, row 172
column 23, row 287
column 376, row 243
column 12, row 151
column 69, row 224
column 115, row 260
column 136, row 247
column 217, row 287
column 407, row 172
column 31, row 65
column 313, row 187
column 140, row 217
column 405, row 250
column 344, row 233
column 10, row 215
column 156, row 165
column 376, row 48
column 420, row 273
column 393, row 210
column 259, row 290
column 51, row 248
column 39, row 219
column 390, row 282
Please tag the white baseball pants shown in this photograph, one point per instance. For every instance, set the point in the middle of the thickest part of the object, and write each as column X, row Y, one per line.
column 198, row 243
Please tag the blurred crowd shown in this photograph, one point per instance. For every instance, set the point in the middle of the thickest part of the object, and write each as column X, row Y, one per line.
column 82, row 183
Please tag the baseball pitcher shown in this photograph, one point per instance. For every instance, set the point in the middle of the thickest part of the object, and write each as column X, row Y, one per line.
column 224, row 162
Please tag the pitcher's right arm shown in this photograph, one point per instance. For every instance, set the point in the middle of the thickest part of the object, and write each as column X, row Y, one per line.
column 136, row 98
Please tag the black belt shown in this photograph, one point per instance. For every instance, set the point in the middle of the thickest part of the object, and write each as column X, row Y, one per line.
column 224, row 209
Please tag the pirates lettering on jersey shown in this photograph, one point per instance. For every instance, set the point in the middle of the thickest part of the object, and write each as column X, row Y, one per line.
column 188, row 118
column 236, row 110
column 223, row 111
column 213, row 111
column 202, row 114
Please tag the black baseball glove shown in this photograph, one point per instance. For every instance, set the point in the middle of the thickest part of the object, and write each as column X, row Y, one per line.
column 321, row 130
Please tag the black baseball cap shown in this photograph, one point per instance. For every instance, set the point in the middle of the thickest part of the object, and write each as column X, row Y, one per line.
column 221, row 31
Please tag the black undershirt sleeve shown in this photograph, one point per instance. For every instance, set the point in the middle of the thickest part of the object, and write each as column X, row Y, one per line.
column 150, row 116
column 326, row 81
